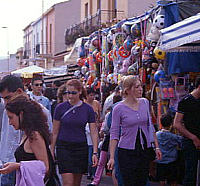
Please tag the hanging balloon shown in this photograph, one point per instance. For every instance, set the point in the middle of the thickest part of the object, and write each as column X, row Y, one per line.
column 99, row 57
column 125, row 66
column 87, row 74
column 110, row 38
column 132, row 70
column 95, row 42
column 158, row 75
column 90, row 80
column 110, row 78
column 123, row 53
column 87, row 45
column 84, row 69
column 115, row 78
column 159, row 54
column 87, row 62
column 110, row 55
column 135, row 51
column 115, row 53
column 136, row 30
column 77, row 73
column 128, row 43
column 80, row 62
column 126, row 28
column 94, row 54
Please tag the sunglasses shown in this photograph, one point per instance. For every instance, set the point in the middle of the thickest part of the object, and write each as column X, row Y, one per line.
column 70, row 92
column 38, row 84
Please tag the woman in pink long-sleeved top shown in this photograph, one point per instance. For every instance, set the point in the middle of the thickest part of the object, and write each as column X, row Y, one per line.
column 131, row 120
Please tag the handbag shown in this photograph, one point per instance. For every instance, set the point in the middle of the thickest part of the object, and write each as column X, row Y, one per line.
column 52, row 179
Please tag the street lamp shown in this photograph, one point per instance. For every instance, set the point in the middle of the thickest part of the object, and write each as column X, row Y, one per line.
column 5, row 27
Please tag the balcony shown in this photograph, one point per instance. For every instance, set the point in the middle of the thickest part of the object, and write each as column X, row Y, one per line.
column 103, row 18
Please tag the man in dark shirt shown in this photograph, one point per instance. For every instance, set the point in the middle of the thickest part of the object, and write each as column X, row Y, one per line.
column 187, row 122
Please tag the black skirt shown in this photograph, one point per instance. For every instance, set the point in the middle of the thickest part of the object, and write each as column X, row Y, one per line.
column 72, row 157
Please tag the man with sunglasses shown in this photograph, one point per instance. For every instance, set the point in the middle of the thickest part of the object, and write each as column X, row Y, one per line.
column 11, row 87
column 36, row 93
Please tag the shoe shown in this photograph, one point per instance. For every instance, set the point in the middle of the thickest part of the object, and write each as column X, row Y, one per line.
column 91, row 184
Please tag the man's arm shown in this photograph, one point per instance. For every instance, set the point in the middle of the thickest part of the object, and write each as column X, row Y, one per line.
column 178, row 124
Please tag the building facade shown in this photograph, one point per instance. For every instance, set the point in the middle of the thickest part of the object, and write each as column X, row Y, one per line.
column 115, row 10
column 44, row 39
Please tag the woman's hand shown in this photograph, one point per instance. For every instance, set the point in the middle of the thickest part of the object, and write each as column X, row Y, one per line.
column 53, row 153
column 9, row 167
column 94, row 160
column 158, row 154
column 110, row 164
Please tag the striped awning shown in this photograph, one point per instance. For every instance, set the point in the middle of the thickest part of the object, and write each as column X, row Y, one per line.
column 181, row 33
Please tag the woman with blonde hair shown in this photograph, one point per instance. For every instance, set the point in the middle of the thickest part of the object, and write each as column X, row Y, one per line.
column 69, row 137
column 131, row 116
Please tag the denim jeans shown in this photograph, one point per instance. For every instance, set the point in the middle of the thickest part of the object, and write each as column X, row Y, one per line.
column 117, row 170
column 91, row 170
column 8, row 179
column 191, row 160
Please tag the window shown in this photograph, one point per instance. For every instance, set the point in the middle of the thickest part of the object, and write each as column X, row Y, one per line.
column 114, row 8
column 98, row 4
column 50, row 39
column 86, row 10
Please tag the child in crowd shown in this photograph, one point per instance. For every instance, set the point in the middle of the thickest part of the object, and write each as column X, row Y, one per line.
column 168, row 142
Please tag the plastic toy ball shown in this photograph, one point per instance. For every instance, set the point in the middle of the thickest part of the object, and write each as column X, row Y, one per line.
column 159, row 74
column 136, row 30
column 126, row 28
column 159, row 21
column 110, row 38
column 159, row 54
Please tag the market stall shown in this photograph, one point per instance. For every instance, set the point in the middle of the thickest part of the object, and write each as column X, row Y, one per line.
column 29, row 71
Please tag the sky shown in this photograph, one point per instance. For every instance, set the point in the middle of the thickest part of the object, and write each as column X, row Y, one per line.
column 15, row 15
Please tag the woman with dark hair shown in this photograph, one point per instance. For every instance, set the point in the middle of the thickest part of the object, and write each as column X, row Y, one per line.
column 27, row 115
column 69, row 137
column 61, row 97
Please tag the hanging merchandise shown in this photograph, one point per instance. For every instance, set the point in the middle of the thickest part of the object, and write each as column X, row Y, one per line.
column 128, row 43
column 125, row 66
column 159, row 54
column 133, row 69
column 80, row 62
column 84, row 69
column 159, row 21
column 154, row 34
column 167, row 89
column 123, row 53
column 95, row 42
column 119, row 39
column 136, row 30
column 158, row 75
column 110, row 55
column 126, row 28
column 110, row 38
column 98, row 57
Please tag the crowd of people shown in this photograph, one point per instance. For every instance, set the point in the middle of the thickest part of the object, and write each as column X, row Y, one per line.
column 53, row 136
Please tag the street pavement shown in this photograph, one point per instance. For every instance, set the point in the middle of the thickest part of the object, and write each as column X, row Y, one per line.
column 107, row 181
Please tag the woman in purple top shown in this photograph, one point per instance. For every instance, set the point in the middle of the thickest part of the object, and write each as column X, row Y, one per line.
column 70, row 119
column 131, row 116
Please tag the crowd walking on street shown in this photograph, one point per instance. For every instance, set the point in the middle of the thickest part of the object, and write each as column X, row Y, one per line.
column 54, row 142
